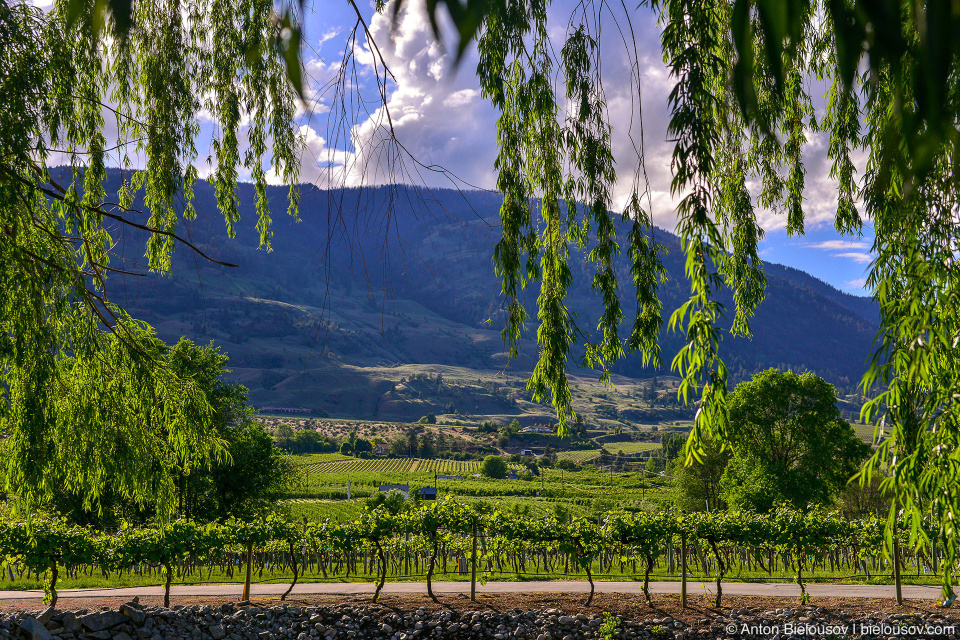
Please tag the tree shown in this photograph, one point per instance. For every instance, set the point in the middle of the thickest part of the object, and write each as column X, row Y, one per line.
column 310, row 441
column 245, row 481
column 412, row 442
column 284, row 435
column 255, row 473
column 428, row 446
column 362, row 445
column 789, row 443
column 487, row 426
column 671, row 446
column 85, row 394
column 258, row 477
column 494, row 467
column 399, row 447
column 697, row 485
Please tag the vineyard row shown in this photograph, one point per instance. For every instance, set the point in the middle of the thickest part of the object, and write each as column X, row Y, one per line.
column 451, row 536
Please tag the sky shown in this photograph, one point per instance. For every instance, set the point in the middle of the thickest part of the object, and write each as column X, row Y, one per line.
column 441, row 120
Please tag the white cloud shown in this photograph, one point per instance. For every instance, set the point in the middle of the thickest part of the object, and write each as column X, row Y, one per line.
column 858, row 283
column 856, row 256
column 856, row 250
column 839, row 245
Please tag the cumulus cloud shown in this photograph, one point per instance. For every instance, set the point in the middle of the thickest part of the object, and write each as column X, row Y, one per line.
column 440, row 119
column 434, row 111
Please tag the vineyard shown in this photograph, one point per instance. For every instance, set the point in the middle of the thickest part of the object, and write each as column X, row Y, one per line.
column 314, row 458
column 578, row 456
column 460, row 541
column 629, row 448
column 344, row 464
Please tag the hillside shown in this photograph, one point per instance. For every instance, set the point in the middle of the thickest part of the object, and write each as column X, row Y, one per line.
column 374, row 289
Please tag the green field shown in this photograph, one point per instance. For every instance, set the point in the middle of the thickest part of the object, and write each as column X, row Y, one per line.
column 347, row 465
column 629, row 448
column 316, row 458
column 864, row 431
column 578, row 456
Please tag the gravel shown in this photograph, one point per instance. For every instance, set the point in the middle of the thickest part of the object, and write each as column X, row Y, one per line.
column 352, row 621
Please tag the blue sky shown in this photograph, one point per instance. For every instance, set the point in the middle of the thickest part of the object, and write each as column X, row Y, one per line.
column 441, row 119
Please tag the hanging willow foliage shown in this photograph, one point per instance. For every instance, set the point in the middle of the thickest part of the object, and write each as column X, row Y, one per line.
column 740, row 111
column 87, row 395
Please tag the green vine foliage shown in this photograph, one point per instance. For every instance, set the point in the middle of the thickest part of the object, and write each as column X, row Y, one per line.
column 86, row 393
column 42, row 545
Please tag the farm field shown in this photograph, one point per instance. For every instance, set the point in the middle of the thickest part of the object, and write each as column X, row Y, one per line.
column 864, row 431
column 344, row 464
column 578, row 456
column 631, row 447
column 317, row 458
column 324, row 486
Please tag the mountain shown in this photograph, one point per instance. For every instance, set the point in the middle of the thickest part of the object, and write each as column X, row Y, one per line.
column 375, row 292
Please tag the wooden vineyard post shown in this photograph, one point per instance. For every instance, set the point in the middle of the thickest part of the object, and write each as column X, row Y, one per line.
column 473, row 567
column 683, row 570
column 246, row 581
column 896, row 566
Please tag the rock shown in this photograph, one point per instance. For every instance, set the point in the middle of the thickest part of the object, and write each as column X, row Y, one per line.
column 33, row 629
column 121, row 636
column 47, row 615
column 217, row 632
column 70, row 622
column 132, row 612
column 102, row 620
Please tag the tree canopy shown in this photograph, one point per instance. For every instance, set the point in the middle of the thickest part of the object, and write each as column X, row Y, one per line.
column 85, row 394
column 740, row 111
column 244, row 477
column 789, row 443
column 494, row 467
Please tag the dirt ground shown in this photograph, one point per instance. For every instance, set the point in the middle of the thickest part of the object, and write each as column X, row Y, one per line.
column 627, row 606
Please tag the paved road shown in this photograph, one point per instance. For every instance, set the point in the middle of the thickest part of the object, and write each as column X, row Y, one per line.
column 351, row 588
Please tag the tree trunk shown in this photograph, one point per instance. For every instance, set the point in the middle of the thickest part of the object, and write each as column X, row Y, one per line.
column 720, row 569
column 293, row 561
column 166, row 587
column 646, row 579
column 383, row 569
column 590, row 580
column 54, row 572
column 683, row 570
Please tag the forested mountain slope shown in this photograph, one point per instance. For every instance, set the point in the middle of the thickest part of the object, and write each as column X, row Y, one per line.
column 369, row 280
